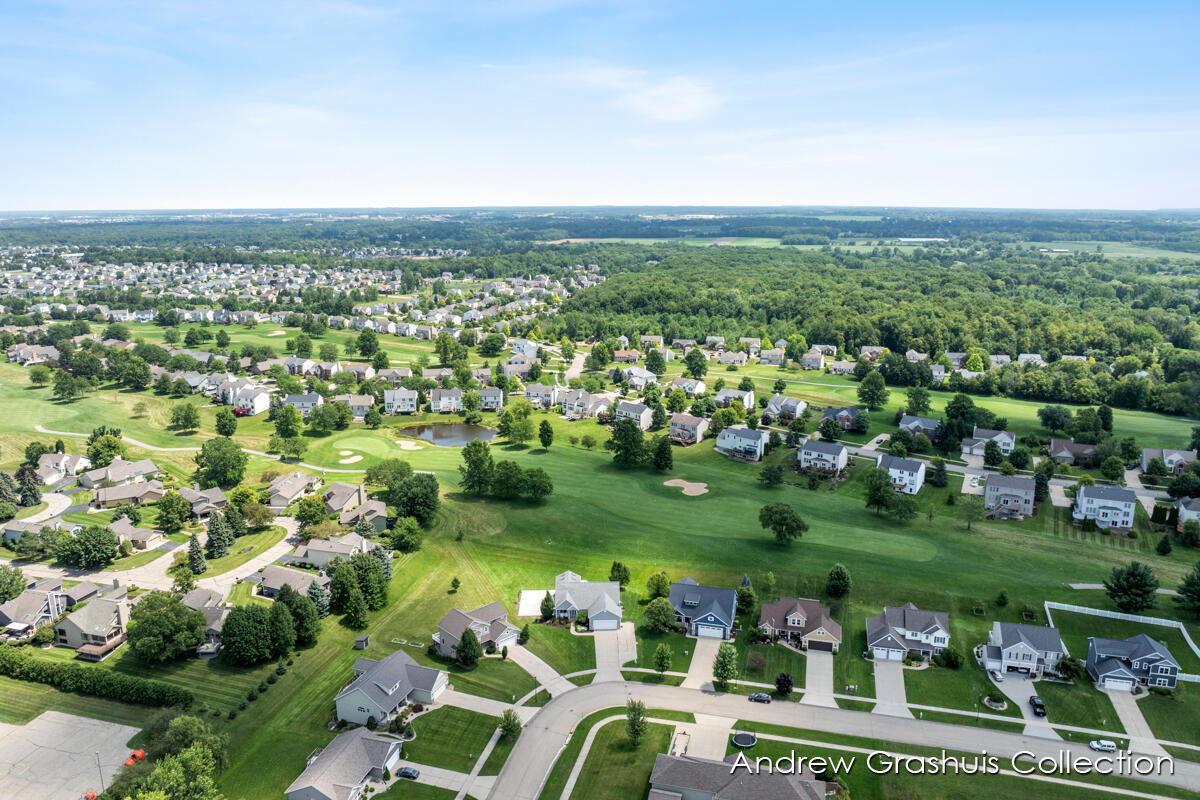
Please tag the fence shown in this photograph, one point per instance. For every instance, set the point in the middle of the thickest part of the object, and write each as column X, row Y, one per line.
column 1099, row 612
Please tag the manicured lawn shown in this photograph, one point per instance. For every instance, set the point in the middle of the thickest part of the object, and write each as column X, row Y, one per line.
column 855, row 705
column 616, row 770
column 491, row 678
column 450, row 737
column 241, row 595
column 1174, row 717
column 499, row 755
column 849, row 667
column 1078, row 704
column 23, row 701
column 564, row 651
column 411, row 790
column 777, row 659
column 556, row 781
column 971, row 719
column 963, row 688
column 582, row 680
column 244, row 549
column 136, row 559
column 1075, row 630
column 652, row 677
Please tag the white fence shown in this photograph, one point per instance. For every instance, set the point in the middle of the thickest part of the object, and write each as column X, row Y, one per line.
column 1099, row 612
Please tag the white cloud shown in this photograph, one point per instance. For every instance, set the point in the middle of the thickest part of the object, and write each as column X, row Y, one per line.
column 665, row 98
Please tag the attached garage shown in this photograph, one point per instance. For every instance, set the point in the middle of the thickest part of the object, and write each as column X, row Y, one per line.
column 1120, row 684
column 887, row 654
column 710, row 631
column 817, row 644
column 605, row 624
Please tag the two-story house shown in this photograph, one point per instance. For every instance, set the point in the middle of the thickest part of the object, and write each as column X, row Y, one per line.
column 897, row 631
column 801, row 621
column 976, row 445
column 687, row 429
column 640, row 413
column 400, row 401
column 741, row 442
column 907, row 474
column 822, row 456
column 1110, row 507
column 1126, row 663
column 1028, row 649
column 704, row 611
column 1009, row 496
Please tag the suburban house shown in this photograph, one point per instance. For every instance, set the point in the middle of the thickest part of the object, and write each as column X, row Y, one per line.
column 96, row 629
column 600, row 600
column 1176, row 461
column 140, row 538
column 304, row 403
column 684, row 777
column 626, row 356
column 1188, row 508
column 136, row 493
column 844, row 417
column 250, row 401
column 735, row 357
column 205, row 501
column 1068, row 451
column 579, row 403
column 208, row 603
column 871, row 352
column 341, row 769
column 977, row 443
column 288, row 488
column 915, row 425
column 638, row 378
column 897, row 631
column 829, row 457
column 772, row 358
column 1009, row 496
column 445, row 401
column 1028, row 649
column 640, row 413
column 53, row 467
column 650, row 341
column 394, row 375
column 380, row 688
column 1110, row 507
column 813, row 359
column 373, row 511
column 340, row 496
column 1125, row 663
column 741, row 442
column 319, row 552
column 687, row 429
column 491, row 399
column 780, row 407
column 273, row 577
column 704, row 611
column 691, row 386
column 489, row 623
column 359, row 404
column 726, row 397
column 41, row 603
column 842, row 367
column 400, row 401
column 907, row 474
column 541, row 395
column 119, row 471
column 801, row 620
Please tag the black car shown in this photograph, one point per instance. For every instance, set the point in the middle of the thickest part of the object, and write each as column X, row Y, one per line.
column 408, row 774
column 760, row 697
column 1039, row 708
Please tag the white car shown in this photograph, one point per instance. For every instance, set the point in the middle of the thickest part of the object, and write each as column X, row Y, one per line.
column 1103, row 745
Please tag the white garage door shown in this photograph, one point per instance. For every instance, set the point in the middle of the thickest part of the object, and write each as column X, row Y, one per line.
column 604, row 625
column 889, row 655
column 1118, row 683
column 710, row 631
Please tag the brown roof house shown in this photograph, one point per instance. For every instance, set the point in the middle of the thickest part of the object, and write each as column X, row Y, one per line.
column 801, row 620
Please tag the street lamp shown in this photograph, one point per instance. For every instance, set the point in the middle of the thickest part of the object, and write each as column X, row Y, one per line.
column 100, row 770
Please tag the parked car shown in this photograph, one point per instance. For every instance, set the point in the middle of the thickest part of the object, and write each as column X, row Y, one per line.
column 879, row 440
column 1103, row 745
column 408, row 774
column 996, row 676
column 760, row 697
column 974, row 481
column 1039, row 708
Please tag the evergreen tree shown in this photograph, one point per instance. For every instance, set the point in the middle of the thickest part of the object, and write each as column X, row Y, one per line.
column 1189, row 592
column 356, row 608
column 937, row 475
column 344, row 580
column 547, row 608
column 234, row 522
column 385, row 561
column 370, row 580
column 469, row 650
column 9, row 491
column 1132, row 588
column 364, row 528
column 664, row 456
column 320, row 598
column 1164, row 545
column 838, row 583
column 196, row 556
column 218, row 536
column 283, row 630
column 546, row 433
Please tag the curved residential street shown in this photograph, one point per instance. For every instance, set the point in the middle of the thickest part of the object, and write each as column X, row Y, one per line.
column 546, row 734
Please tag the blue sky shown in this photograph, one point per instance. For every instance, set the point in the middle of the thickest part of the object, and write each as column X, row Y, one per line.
column 261, row 103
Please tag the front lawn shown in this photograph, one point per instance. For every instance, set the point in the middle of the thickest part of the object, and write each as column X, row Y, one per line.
column 244, row 549
column 490, row 678
column 411, row 790
column 963, row 688
column 499, row 755
column 1079, row 704
column 849, row 667
column 1075, row 630
column 616, row 770
column 778, row 659
column 562, row 650
column 450, row 737
column 1173, row 717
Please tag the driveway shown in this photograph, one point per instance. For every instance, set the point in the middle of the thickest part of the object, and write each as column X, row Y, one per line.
column 967, row 488
column 56, row 504
column 1018, row 689
column 889, row 690
column 874, row 444
column 818, row 679
column 529, row 602
column 627, row 644
column 973, row 461
column 709, row 737
column 1058, row 496
column 608, row 657
column 1133, row 481
column 54, row 755
column 699, row 674
column 1141, row 738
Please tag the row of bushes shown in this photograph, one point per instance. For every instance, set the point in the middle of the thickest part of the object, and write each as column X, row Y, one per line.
column 93, row 681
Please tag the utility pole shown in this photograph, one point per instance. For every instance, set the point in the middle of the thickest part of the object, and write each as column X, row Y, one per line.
column 100, row 770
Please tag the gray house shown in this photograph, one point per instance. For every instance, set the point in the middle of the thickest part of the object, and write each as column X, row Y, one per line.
column 1028, row 649
column 828, row 457
column 1125, row 663
column 489, row 624
column 380, row 688
column 601, row 600
column 704, row 611
column 690, row 778
column 915, row 425
column 897, row 631
column 1009, row 496
column 342, row 768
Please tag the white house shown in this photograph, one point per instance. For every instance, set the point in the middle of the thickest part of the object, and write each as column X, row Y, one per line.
column 250, row 401
column 1109, row 506
column 742, row 442
column 907, row 474
column 976, row 445
column 638, row 412
column 541, row 395
column 829, row 457
column 445, row 401
column 400, row 401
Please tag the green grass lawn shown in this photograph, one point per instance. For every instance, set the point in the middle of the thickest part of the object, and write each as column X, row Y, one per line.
column 1078, row 704
column 616, row 770
column 499, row 755
column 971, row 719
column 564, row 651
column 23, row 701
column 855, row 705
column 450, row 737
column 963, row 688
column 242, row 595
column 849, row 667
column 1076, row 629
column 556, row 781
column 411, row 790
column 136, row 559
column 244, row 549
column 652, row 677
column 1174, row 717
column 778, row 659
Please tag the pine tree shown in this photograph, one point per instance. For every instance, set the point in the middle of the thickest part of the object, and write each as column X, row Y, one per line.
column 547, row 608
column 9, row 493
column 384, row 560
column 343, row 583
column 235, row 523
column 283, row 630
column 469, row 650
column 356, row 608
column 1189, row 592
column 196, row 556
column 364, row 528
column 1164, row 546
column 664, row 457
column 218, row 536
column 320, row 597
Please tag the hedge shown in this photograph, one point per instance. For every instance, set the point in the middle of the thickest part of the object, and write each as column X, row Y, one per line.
column 93, row 681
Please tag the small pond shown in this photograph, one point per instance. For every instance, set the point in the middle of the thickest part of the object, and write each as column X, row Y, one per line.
column 449, row 434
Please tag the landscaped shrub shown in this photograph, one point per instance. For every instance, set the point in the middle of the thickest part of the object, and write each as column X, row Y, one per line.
column 232, row 714
column 996, row 697
column 372, row 724
column 252, row 695
column 89, row 680
column 262, row 687
column 242, row 705
column 949, row 658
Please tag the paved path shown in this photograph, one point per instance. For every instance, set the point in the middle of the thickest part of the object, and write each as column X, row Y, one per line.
column 700, row 670
column 469, row 783
column 608, row 657
column 818, row 679
column 484, row 705
column 223, row 584
column 457, row 782
column 56, row 505
column 542, row 672
column 54, row 755
column 547, row 733
column 576, row 368
column 889, row 690
column 627, row 643
column 1100, row 587
column 1018, row 689
column 1058, row 496
column 1141, row 738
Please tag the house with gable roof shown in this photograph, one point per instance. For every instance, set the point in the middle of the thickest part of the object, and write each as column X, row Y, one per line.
column 601, row 600
column 704, row 611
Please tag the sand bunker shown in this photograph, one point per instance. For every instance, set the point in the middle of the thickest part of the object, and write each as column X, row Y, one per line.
column 345, row 452
column 408, row 444
column 354, row 459
column 277, row 333
column 690, row 488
